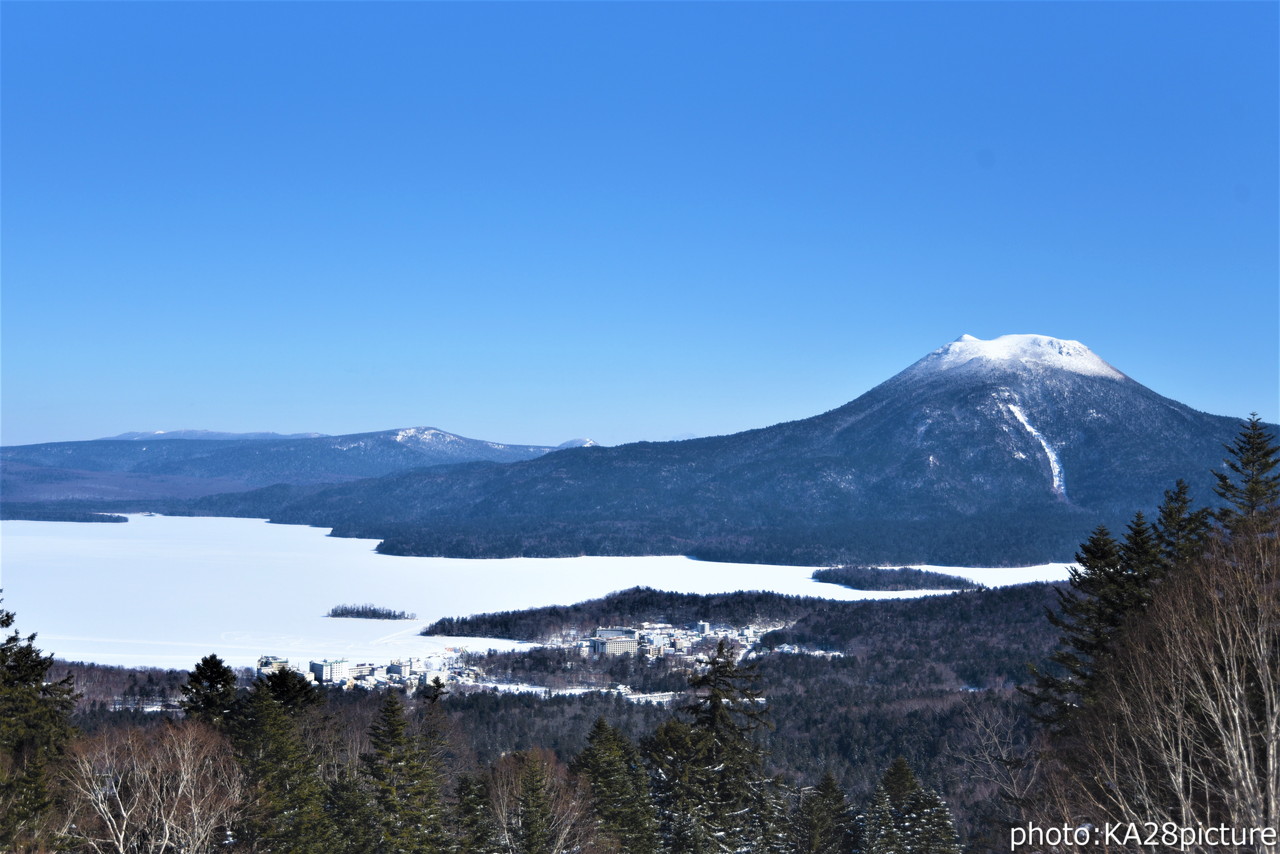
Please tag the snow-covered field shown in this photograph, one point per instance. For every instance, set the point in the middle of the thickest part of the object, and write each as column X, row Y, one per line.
column 165, row 591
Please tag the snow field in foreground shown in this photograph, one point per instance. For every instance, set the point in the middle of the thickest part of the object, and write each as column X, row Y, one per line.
column 166, row 591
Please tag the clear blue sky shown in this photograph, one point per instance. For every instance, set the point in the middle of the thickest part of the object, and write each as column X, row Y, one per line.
column 528, row 222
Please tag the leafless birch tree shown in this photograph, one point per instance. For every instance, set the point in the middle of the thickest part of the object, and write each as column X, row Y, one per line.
column 148, row 791
column 1187, row 727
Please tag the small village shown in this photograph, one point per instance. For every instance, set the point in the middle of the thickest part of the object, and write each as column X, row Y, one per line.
column 690, row 645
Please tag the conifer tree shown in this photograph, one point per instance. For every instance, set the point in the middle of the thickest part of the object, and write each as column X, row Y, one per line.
column 473, row 823
column 292, row 690
column 354, row 816
column 1251, row 489
column 619, row 789
column 772, row 831
column 287, row 809
column 34, row 729
column 727, row 712
column 1083, row 631
column 1141, row 564
column 823, row 824
column 405, row 786
column 1113, row 583
column 535, row 833
column 906, row 818
column 678, row 789
column 210, row 692
column 1181, row 530
column 708, row 775
column 878, row 831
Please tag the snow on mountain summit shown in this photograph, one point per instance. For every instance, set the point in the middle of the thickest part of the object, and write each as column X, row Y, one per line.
column 1033, row 351
column 425, row 436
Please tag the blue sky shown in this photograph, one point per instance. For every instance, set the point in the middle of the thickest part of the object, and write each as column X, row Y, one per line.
column 528, row 222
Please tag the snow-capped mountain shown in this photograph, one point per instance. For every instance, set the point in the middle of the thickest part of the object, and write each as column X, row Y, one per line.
column 1027, row 353
column 1001, row 451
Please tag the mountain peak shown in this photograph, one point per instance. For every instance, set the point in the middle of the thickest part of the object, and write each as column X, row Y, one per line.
column 578, row 443
column 1020, row 351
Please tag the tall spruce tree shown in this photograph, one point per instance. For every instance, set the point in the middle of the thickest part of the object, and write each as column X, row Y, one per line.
column 474, row 831
column 1085, row 629
column 34, row 729
column 292, row 690
column 1113, row 583
column 286, row 813
column 878, row 827
column 1181, row 530
column 536, row 835
column 823, row 822
column 619, row 789
column 678, row 786
column 1251, row 485
column 210, row 692
column 405, row 786
column 904, row 817
column 708, row 774
column 772, row 830
column 354, row 816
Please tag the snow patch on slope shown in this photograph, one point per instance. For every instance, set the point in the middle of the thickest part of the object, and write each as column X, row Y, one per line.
column 423, row 436
column 1055, row 465
column 1039, row 351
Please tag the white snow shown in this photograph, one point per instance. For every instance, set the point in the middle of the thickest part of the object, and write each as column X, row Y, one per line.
column 1025, row 350
column 421, row 435
column 1055, row 465
column 166, row 591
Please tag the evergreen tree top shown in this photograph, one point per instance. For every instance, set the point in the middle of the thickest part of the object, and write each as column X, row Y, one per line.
column 1252, row 486
column 899, row 781
column 210, row 692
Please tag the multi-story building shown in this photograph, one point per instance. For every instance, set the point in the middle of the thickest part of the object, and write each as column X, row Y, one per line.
column 331, row 671
column 614, row 641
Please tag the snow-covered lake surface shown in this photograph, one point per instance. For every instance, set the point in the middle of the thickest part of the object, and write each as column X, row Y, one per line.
column 166, row 591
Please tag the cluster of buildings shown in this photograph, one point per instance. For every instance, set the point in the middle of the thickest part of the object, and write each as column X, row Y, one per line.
column 658, row 640
column 653, row 640
column 409, row 673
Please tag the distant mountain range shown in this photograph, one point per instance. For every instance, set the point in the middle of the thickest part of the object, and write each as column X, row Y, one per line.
column 161, row 435
column 996, row 452
column 191, row 463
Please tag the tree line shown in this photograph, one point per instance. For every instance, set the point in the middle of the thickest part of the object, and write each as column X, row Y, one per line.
column 370, row 612
column 262, row 769
column 881, row 578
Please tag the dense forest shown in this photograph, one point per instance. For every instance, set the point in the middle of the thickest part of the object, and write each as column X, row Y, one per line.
column 630, row 607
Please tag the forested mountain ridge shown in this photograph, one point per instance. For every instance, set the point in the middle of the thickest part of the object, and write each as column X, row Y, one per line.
column 188, row 464
column 998, row 452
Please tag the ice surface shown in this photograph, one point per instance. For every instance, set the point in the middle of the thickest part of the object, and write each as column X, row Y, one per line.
column 166, row 591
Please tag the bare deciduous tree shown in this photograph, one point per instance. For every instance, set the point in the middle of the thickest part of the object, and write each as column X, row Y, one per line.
column 569, row 820
column 175, row 788
column 1187, row 726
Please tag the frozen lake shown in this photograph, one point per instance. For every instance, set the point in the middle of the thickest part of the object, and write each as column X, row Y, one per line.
column 166, row 591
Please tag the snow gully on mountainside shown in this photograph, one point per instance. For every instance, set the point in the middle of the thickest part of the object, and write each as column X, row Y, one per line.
column 1055, row 465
